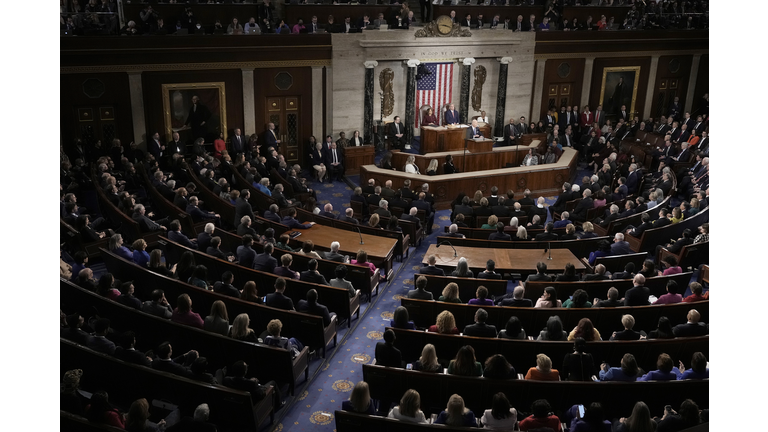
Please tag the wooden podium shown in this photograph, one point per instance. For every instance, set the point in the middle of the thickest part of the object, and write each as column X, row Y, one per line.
column 443, row 139
column 355, row 157
column 479, row 146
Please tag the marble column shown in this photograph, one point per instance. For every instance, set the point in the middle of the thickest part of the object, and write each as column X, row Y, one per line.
column 651, row 87
column 538, row 89
column 368, row 101
column 501, row 96
column 692, row 83
column 410, row 101
column 249, row 104
column 328, row 103
column 466, row 71
column 317, row 101
column 586, row 83
column 137, row 110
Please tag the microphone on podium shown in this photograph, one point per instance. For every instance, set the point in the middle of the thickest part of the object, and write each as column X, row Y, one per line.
column 449, row 243
column 361, row 234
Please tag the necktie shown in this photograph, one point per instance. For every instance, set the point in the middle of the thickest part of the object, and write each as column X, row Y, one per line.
column 334, row 156
column 397, row 127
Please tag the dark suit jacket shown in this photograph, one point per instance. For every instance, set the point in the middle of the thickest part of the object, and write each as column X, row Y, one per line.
column 539, row 277
column 171, row 366
column 388, row 355
column 626, row 335
column 419, row 294
column 132, row 356
column 245, row 256
column 429, row 270
column 242, row 208
column 179, row 237
column 257, row 391
column 314, row 277
column 315, row 309
column 488, row 275
column 621, row 248
column 344, row 218
column 545, row 236
column 203, row 241
column 279, row 300
column 452, row 116
column 243, row 230
column 637, row 296
column 226, row 289
column 264, row 262
column 516, row 302
column 689, row 330
column 500, row 211
column 480, row 330
column 146, row 224
column 499, row 236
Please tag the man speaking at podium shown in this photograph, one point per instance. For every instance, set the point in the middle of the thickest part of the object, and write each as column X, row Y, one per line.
column 473, row 131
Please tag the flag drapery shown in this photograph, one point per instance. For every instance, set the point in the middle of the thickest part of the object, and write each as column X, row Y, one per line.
column 435, row 89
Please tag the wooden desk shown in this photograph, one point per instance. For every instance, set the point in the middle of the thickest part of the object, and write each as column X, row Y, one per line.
column 479, row 146
column 438, row 139
column 507, row 260
column 355, row 157
column 380, row 249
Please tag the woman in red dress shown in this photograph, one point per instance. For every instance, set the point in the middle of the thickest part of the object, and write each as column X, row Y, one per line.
column 430, row 119
column 219, row 145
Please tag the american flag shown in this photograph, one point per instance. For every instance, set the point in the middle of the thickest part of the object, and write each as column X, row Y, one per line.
column 435, row 89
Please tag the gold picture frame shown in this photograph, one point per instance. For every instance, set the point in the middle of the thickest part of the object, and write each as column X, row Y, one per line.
column 177, row 102
column 628, row 78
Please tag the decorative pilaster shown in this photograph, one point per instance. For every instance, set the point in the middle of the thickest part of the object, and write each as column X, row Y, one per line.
column 501, row 96
column 538, row 89
column 651, row 87
column 368, row 104
column 692, row 83
column 410, row 101
column 249, row 105
column 586, row 83
column 137, row 110
column 317, row 101
column 466, row 71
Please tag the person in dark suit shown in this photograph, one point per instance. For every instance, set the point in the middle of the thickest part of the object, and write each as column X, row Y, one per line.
column 158, row 306
column 541, row 273
column 74, row 331
column 499, row 234
column 200, row 215
column 451, row 115
column 500, row 209
column 204, row 238
column 291, row 222
column 421, row 204
column 146, row 224
column 270, row 139
column 620, row 246
column 243, row 207
column 175, row 234
column 473, row 131
column 517, row 299
column 386, row 354
column 547, row 235
column 638, row 294
column 278, row 299
column 127, row 352
column 598, row 275
column 628, row 273
column 565, row 196
column 490, row 267
column 480, row 328
column 334, row 161
column 430, row 269
column 177, row 366
column 663, row 219
column 311, row 306
column 265, row 261
column 347, row 216
column 464, row 208
column 628, row 321
column 333, row 254
column 245, row 254
column 420, row 292
column 312, row 275
column 411, row 217
column 197, row 118
column 691, row 328
column 397, row 134
column 237, row 380
column 245, row 227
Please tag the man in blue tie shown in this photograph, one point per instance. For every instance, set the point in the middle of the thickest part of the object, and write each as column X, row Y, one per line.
column 474, row 132
column 451, row 116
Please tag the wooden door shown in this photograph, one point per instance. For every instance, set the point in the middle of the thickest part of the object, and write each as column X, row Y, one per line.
column 559, row 94
column 96, row 123
column 669, row 88
column 284, row 113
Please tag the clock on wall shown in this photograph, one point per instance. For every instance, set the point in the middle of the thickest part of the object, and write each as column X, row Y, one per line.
column 444, row 24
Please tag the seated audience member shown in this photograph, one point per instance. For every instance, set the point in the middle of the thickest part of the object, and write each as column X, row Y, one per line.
column 541, row 418
column 489, row 273
column 464, row 363
column 578, row 365
column 359, row 400
column 100, row 411
column 584, row 329
column 334, row 255
column 430, row 269
column 117, row 248
column 307, row 248
column 311, row 306
column 578, row 300
column 553, row 331
column 245, row 253
column 627, row 372
column 277, row 299
column 199, row 421
column 589, row 230
column 274, row 328
column 501, row 416
column 672, row 296
column 603, row 250
column 480, row 328
column 456, row 414
column 517, row 299
column 126, row 296
column 241, row 329
column 127, row 350
column 285, row 270
column 540, row 275
column 543, row 370
column 665, row 370
column 498, row 368
column 548, row 299
column 386, row 353
column 401, row 320
column 482, row 297
column 362, row 259
column 688, row 416
column 282, row 242
column 663, row 330
column 453, row 231
column 499, row 234
column 696, row 290
column 628, row 321
column 312, row 275
column 570, row 233
column 569, row 274
column 612, row 301
column 218, row 320
column 445, row 324
column 341, row 282
column 564, row 221
column 177, row 366
column 74, row 331
column 199, row 277
column 513, row 330
column 214, row 250
column 237, row 380
column 599, row 274
column 691, row 328
column 183, row 313
column 428, row 360
column 547, row 235
column 670, row 262
column 158, row 306
column 199, row 371
column 649, row 269
column 98, row 340
column 291, row 222
column 409, row 409
column 638, row 294
column 628, row 273
column 593, row 419
column 462, row 269
column 450, row 294
column 420, row 292
column 698, row 370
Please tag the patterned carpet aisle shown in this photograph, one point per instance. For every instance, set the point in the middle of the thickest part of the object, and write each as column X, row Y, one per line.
column 313, row 408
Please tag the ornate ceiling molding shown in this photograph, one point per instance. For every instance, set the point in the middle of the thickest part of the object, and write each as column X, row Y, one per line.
column 192, row 66
column 609, row 54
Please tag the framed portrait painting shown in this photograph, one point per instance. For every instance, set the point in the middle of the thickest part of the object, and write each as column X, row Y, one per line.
column 195, row 110
column 619, row 88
